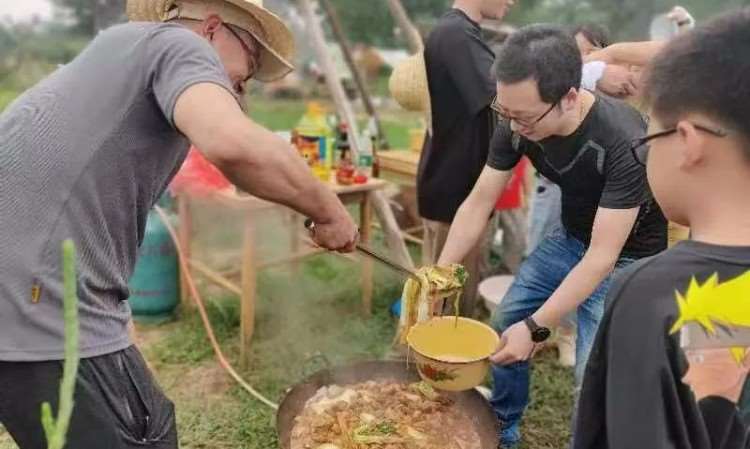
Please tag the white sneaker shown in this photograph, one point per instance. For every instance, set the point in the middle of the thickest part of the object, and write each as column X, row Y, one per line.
column 566, row 346
column 484, row 391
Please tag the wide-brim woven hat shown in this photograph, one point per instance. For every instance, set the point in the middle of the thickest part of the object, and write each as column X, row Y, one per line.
column 408, row 86
column 274, row 36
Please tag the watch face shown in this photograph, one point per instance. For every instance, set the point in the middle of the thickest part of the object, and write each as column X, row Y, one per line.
column 540, row 334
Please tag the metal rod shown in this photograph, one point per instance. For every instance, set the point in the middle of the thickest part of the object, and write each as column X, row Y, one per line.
column 387, row 261
column 310, row 225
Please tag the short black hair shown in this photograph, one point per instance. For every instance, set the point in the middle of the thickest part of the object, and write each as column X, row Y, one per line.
column 705, row 71
column 597, row 34
column 545, row 53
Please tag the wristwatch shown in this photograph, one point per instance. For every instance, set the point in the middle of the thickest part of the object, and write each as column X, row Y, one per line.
column 538, row 333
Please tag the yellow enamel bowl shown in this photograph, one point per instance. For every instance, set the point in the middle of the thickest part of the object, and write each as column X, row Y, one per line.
column 453, row 356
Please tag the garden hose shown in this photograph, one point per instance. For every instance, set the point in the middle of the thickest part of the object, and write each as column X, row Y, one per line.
column 204, row 316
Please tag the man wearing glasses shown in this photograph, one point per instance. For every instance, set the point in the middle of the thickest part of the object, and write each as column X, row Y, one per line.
column 84, row 155
column 581, row 142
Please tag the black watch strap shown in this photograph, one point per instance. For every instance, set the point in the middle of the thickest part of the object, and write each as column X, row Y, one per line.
column 531, row 324
column 538, row 333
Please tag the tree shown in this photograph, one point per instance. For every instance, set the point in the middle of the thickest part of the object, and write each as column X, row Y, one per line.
column 93, row 15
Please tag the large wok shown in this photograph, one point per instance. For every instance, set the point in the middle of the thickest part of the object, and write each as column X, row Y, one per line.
column 471, row 402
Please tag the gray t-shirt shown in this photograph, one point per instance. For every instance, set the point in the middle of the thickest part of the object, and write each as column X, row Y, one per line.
column 84, row 155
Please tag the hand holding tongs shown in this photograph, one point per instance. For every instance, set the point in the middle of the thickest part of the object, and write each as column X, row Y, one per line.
column 310, row 225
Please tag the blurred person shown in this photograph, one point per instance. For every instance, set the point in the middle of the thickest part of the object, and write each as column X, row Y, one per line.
column 642, row 388
column 578, row 140
column 612, row 79
column 590, row 37
column 459, row 74
column 86, row 153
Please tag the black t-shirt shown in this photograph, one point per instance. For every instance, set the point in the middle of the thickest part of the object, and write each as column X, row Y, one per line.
column 633, row 395
column 594, row 168
column 459, row 74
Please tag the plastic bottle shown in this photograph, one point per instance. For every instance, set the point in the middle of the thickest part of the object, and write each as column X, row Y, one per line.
column 315, row 127
column 365, row 154
column 344, row 167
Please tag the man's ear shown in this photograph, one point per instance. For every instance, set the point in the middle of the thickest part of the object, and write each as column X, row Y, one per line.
column 692, row 145
column 211, row 24
column 568, row 102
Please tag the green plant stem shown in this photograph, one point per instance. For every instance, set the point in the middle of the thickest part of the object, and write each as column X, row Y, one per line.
column 56, row 430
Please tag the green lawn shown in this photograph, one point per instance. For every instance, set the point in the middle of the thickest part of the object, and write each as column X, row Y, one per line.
column 285, row 114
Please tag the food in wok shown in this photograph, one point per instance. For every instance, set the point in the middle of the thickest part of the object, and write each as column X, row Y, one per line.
column 383, row 415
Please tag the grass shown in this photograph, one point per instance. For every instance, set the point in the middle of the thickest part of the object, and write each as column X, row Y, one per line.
column 279, row 115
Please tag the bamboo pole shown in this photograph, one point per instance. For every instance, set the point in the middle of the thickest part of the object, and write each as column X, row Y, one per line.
column 340, row 36
column 333, row 79
column 413, row 39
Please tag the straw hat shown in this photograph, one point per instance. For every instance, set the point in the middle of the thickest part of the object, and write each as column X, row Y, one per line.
column 408, row 86
column 273, row 35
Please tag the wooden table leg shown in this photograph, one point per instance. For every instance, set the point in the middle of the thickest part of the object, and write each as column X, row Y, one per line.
column 295, row 227
column 393, row 238
column 247, row 299
column 183, row 236
column 365, row 227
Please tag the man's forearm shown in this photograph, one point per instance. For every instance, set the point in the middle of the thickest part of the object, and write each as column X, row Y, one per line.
column 634, row 53
column 272, row 170
column 577, row 286
column 466, row 229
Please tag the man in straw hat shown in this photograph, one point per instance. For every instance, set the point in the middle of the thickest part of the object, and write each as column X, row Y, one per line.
column 458, row 65
column 85, row 155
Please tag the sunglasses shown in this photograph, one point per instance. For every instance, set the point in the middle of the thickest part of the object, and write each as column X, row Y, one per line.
column 253, row 57
column 639, row 147
column 502, row 114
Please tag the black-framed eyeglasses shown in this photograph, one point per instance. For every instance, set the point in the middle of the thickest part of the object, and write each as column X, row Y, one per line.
column 639, row 147
column 253, row 58
column 495, row 106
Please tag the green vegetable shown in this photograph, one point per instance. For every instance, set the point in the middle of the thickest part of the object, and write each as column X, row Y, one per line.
column 425, row 390
column 55, row 430
column 460, row 274
column 384, row 432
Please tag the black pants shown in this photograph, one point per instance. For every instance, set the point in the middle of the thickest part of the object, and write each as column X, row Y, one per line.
column 117, row 403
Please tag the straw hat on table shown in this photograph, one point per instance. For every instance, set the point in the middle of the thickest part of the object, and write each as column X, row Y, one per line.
column 408, row 86
column 275, row 38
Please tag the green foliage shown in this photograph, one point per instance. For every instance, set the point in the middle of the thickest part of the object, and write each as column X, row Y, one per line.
column 82, row 12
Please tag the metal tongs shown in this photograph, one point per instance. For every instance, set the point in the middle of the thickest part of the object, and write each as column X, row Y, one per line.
column 310, row 225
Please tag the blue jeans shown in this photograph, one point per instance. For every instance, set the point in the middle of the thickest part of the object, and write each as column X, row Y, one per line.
column 538, row 278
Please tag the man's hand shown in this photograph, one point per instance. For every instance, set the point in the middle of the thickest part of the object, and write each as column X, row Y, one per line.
column 618, row 81
column 516, row 345
column 715, row 372
column 338, row 234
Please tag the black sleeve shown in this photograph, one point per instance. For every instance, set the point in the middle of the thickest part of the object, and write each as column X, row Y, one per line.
column 505, row 150
column 725, row 428
column 625, row 184
column 469, row 64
